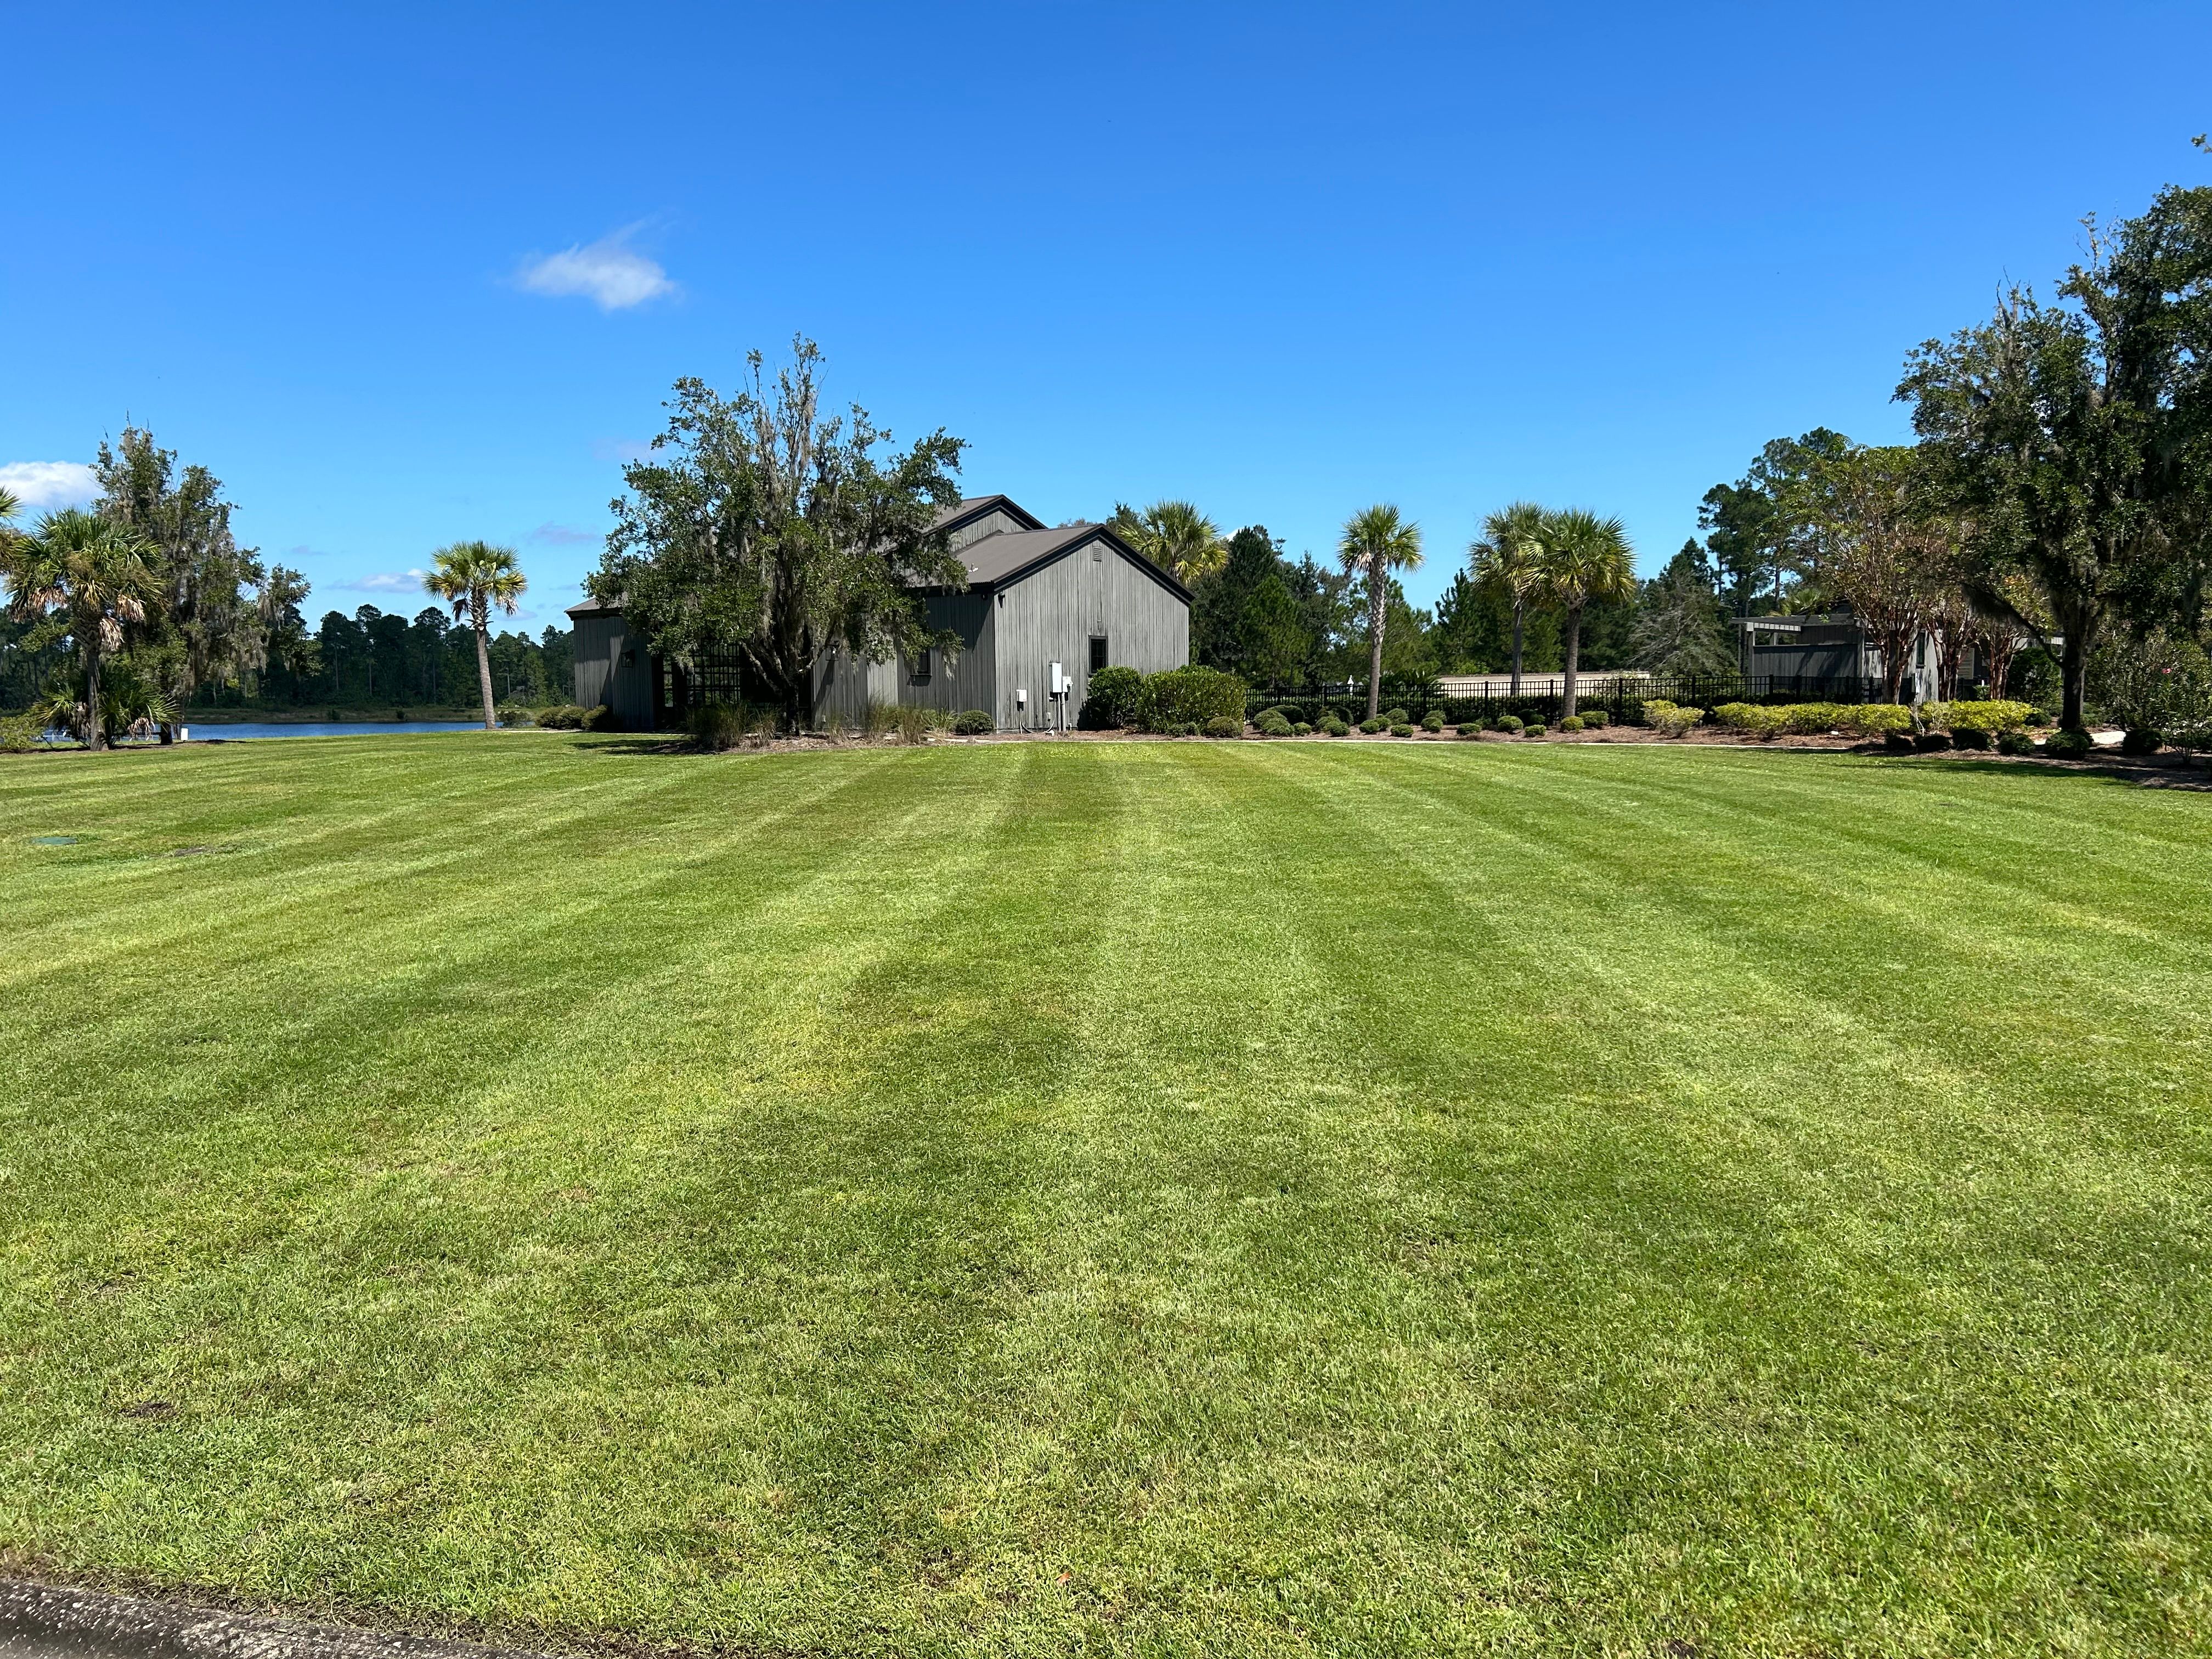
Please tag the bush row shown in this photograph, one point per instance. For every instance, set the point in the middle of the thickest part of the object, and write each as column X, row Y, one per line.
column 1121, row 698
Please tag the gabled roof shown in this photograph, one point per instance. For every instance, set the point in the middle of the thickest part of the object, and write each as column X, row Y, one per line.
column 1001, row 559
column 592, row 607
column 977, row 506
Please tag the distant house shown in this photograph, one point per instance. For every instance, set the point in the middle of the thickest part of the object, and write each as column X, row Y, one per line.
column 1076, row 596
column 1821, row 649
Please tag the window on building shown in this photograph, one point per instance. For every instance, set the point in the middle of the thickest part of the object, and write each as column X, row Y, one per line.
column 1097, row 652
column 921, row 664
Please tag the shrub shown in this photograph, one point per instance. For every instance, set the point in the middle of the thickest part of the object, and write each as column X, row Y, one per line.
column 1872, row 720
column 1930, row 743
column 1109, row 702
column 1670, row 719
column 561, row 717
column 1301, row 730
column 2015, row 742
column 1395, row 717
column 1432, row 721
column 599, row 719
column 21, row 733
column 1269, row 725
column 1470, row 728
column 1403, row 729
column 1189, row 696
column 1374, row 724
column 1187, row 729
column 1992, row 717
column 1898, row 743
column 1335, row 727
column 973, row 723
column 1533, row 729
column 1810, row 720
column 1753, row 720
column 1970, row 737
column 2141, row 740
column 1572, row 723
column 2067, row 745
column 1596, row 718
column 1509, row 723
column 513, row 713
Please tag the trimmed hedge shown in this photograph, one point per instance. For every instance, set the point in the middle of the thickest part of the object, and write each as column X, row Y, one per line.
column 1109, row 702
column 1189, row 696
column 973, row 723
column 1670, row 719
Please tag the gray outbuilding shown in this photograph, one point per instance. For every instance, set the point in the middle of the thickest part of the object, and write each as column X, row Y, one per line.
column 1075, row 596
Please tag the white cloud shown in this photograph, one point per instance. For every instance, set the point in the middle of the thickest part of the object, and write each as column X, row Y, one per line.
column 609, row 272
column 43, row 484
column 620, row 449
column 385, row 581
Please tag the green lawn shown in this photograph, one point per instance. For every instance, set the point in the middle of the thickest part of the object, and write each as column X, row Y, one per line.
column 1145, row 1197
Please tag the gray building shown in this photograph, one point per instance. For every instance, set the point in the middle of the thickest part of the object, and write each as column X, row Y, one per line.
column 1075, row 595
column 1834, row 646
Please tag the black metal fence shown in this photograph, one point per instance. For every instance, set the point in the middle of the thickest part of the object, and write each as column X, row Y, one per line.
column 1621, row 695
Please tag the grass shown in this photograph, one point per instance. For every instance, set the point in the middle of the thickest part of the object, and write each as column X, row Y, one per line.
column 1145, row 1199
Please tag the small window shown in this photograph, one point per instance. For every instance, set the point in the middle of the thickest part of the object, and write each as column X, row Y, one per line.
column 921, row 664
column 1097, row 652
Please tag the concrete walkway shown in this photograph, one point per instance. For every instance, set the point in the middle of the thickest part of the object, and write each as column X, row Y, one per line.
column 44, row 1621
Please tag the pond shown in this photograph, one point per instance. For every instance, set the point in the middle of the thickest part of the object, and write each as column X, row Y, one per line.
column 225, row 731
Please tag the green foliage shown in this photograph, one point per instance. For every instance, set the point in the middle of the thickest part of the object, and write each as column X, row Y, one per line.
column 562, row 717
column 1510, row 724
column 1990, row 716
column 1469, row 728
column 715, row 726
column 515, row 713
column 2015, row 742
column 1872, row 719
column 760, row 528
column 20, row 733
column 1373, row 724
column 1433, row 720
column 1334, row 727
column 1189, row 696
column 973, row 723
column 2156, row 681
column 1301, row 730
column 912, row 723
column 1682, row 626
column 1595, row 718
column 1231, row 726
column 1970, row 737
column 2141, row 740
column 1270, row 725
column 1403, row 729
column 1395, row 717
column 600, row 718
column 1533, row 729
column 1175, row 536
column 2067, row 745
column 1670, row 719
column 1929, row 742
column 1572, row 723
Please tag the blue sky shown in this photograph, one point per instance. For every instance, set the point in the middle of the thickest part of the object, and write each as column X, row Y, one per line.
column 1282, row 261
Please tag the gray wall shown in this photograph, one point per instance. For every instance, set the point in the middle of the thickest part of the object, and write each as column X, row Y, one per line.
column 1050, row 615
column 997, row 522
column 612, row 669
column 956, row 680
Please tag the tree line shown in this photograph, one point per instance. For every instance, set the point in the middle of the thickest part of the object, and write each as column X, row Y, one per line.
column 127, row 614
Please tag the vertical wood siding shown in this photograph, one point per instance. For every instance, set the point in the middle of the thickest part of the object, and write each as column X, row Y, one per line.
column 1051, row 615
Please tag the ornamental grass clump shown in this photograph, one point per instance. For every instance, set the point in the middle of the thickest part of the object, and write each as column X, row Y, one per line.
column 715, row 726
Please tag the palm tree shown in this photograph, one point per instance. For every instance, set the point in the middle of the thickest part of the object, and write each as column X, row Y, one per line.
column 94, row 575
column 1585, row 558
column 474, row 577
column 1175, row 536
column 1375, row 542
column 1509, row 559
